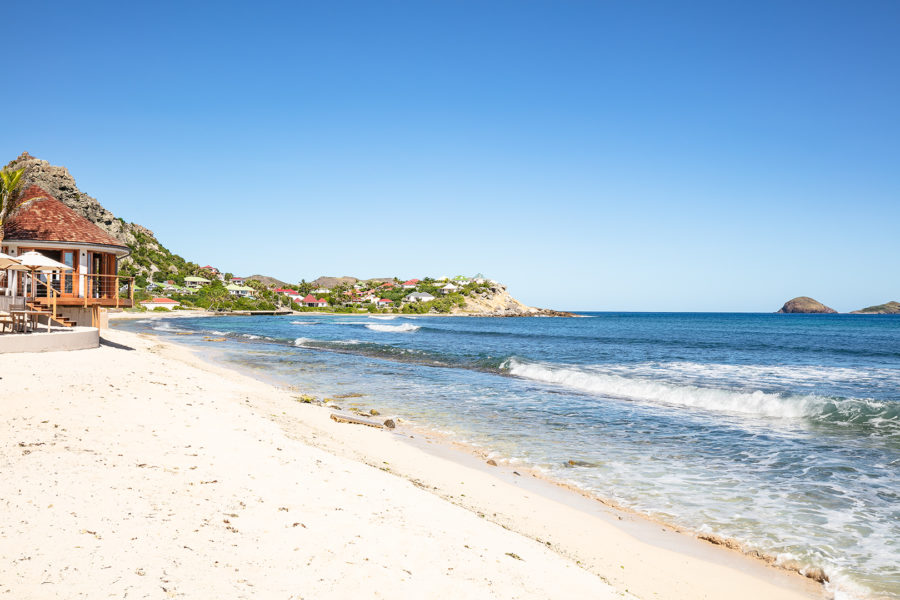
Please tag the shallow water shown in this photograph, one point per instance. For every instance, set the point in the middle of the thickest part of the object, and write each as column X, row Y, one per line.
column 782, row 431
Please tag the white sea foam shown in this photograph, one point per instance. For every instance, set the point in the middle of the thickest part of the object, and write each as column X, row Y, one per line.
column 301, row 341
column 756, row 403
column 303, row 322
column 406, row 327
column 383, row 317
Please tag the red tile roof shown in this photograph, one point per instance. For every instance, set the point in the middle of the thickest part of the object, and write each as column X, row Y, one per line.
column 160, row 301
column 44, row 218
column 411, row 282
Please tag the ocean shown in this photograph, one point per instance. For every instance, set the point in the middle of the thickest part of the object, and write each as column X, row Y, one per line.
column 779, row 431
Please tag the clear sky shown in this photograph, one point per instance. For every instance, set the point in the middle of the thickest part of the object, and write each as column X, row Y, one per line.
column 708, row 156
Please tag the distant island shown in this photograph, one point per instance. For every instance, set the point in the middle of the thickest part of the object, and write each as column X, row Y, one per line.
column 888, row 308
column 806, row 305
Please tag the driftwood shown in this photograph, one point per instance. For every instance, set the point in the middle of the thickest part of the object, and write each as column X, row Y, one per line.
column 356, row 420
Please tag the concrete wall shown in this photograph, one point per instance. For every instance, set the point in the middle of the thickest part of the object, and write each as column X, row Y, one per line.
column 82, row 316
column 76, row 338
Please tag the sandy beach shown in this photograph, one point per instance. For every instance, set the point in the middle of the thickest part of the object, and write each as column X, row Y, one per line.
column 139, row 470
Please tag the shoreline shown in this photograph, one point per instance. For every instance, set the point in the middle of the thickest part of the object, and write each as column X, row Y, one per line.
column 644, row 528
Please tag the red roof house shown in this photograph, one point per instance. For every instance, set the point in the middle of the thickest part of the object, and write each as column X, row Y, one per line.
column 43, row 224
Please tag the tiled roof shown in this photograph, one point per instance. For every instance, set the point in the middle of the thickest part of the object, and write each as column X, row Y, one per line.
column 160, row 301
column 45, row 218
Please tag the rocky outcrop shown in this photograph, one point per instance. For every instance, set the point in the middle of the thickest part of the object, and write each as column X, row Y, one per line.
column 148, row 255
column 806, row 305
column 888, row 308
column 496, row 302
column 59, row 183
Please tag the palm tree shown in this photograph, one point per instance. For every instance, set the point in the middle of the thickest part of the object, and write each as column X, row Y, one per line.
column 10, row 195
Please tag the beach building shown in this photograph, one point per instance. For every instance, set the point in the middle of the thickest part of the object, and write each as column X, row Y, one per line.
column 166, row 303
column 449, row 288
column 313, row 302
column 411, row 284
column 196, row 282
column 418, row 297
column 241, row 291
column 384, row 303
column 237, row 280
column 72, row 295
column 320, row 291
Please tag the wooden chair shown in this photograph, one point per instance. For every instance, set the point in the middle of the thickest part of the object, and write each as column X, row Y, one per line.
column 6, row 321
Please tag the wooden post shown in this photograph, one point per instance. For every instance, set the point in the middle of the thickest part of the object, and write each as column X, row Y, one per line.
column 117, row 291
column 131, row 290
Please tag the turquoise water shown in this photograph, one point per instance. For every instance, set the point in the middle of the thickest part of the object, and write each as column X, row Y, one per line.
column 781, row 431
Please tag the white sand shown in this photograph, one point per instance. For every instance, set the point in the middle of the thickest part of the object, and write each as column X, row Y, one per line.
column 146, row 473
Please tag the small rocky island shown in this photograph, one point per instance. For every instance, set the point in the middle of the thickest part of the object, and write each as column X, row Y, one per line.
column 888, row 308
column 806, row 305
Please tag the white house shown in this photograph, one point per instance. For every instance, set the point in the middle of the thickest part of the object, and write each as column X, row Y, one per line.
column 195, row 282
column 166, row 303
column 241, row 291
column 418, row 297
column 313, row 302
column 449, row 289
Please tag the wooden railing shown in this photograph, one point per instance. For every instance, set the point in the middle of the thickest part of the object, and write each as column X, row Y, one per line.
column 107, row 286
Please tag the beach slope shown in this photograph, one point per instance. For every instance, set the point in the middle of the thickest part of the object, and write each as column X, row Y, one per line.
column 133, row 470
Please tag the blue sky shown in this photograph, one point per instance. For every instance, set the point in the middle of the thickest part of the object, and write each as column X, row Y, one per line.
column 709, row 156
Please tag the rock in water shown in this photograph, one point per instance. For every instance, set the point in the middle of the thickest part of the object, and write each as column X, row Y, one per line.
column 804, row 304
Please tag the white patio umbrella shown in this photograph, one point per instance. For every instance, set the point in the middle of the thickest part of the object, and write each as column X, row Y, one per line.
column 35, row 261
column 7, row 261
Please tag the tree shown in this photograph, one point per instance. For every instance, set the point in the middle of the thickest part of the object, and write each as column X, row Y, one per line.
column 10, row 195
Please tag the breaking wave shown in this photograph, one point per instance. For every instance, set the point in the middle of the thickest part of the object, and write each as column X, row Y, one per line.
column 862, row 411
column 406, row 327
column 383, row 317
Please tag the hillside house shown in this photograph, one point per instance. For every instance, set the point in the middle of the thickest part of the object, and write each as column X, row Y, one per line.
column 411, row 284
column 240, row 291
column 195, row 282
column 418, row 297
column 214, row 272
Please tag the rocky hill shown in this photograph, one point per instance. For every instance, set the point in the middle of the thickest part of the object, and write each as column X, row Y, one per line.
column 268, row 281
column 805, row 304
column 148, row 256
column 888, row 308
